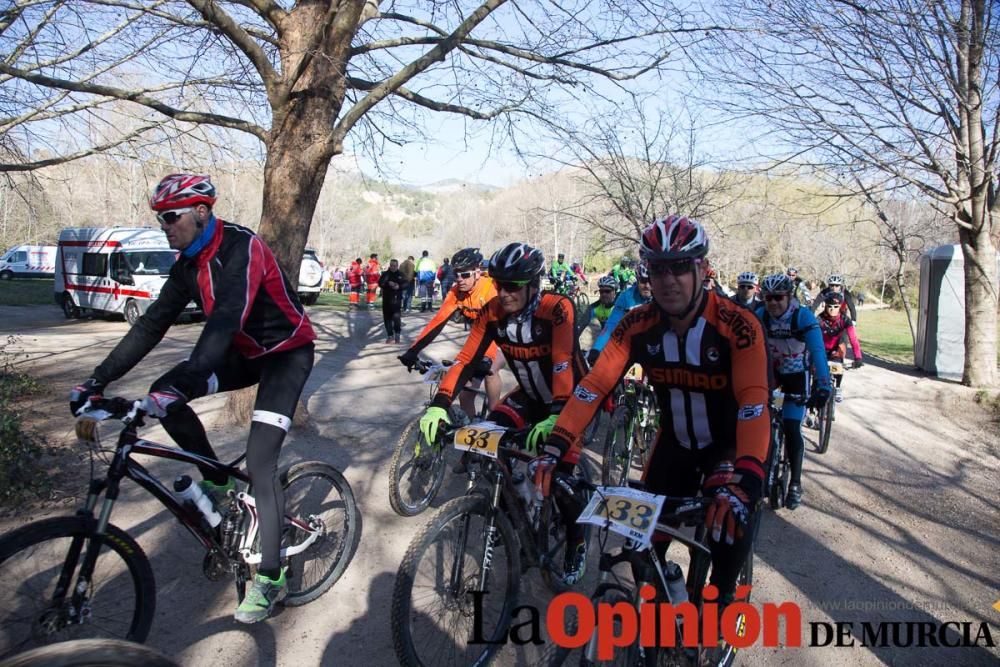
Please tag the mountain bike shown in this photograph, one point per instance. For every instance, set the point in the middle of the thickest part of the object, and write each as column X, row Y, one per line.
column 632, row 429
column 465, row 566
column 779, row 469
column 81, row 576
column 827, row 412
column 627, row 511
column 417, row 470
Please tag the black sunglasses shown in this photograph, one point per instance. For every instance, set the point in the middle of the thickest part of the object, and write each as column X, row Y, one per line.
column 510, row 286
column 746, row 286
column 678, row 268
column 607, row 290
column 465, row 274
column 774, row 297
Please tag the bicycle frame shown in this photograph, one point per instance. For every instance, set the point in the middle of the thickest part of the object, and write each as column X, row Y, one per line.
column 123, row 466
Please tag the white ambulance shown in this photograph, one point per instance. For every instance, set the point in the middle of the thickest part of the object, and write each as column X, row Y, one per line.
column 112, row 270
column 28, row 261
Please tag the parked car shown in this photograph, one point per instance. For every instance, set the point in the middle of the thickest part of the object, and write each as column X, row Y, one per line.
column 312, row 277
column 28, row 261
column 112, row 270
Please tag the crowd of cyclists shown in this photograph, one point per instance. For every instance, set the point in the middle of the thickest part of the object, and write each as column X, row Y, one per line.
column 712, row 361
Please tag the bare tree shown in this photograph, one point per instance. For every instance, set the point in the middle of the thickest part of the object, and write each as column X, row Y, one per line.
column 302, row 77
column 632, row 166
column 901, row 93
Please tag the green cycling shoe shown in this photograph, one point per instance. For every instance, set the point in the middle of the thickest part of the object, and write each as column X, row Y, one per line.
column 261, row 597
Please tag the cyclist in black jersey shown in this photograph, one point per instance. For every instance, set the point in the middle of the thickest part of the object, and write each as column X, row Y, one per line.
column 256, row 332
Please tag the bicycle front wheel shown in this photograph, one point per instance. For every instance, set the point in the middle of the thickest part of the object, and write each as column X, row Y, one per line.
column 456, row 585
column 416, row 472
column 317, row 495
column 40, row 565
column 825, row 427
column 618, row 446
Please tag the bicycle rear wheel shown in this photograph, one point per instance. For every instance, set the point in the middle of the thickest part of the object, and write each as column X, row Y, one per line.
column 40, row 567
column 416, row 472
column 777, row 473
column 318, row 495
column 618, row 446
column 440, row 580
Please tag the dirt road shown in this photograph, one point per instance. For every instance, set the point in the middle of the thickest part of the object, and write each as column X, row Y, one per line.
column 899, row 523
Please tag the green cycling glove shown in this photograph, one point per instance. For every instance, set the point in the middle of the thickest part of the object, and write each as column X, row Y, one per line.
column 540, row 433
column 430, row 421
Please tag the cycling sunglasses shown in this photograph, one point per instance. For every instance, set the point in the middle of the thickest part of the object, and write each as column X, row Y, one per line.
column 774, row 297
column 465, row 275
column 510, row 285
column 747, row 286
column 678, row 268
column 170, row 217
column 607, row 291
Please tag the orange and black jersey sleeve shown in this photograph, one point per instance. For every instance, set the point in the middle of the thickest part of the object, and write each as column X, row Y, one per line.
column 472, row 304
column 711, row 381
column 541, row 351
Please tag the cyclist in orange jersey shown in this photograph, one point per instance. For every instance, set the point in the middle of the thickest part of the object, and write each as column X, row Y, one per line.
column 469, row 295
column 706, row 359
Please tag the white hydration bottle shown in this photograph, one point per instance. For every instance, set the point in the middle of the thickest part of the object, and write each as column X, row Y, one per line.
column 189, row 492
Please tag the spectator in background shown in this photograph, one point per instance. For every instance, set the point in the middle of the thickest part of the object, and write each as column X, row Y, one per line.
column 355, row 279
column 392, row 283
column 372, row 273
column 338, row 280
column 409, row 271
column 861, row 298
column 426, row 274
column 446, row 274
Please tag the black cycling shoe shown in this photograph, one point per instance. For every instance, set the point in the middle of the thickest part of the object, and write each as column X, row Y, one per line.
column 794, row 498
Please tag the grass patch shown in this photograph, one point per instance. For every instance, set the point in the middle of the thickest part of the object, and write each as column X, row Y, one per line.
column 27, row 292
column 886, row 334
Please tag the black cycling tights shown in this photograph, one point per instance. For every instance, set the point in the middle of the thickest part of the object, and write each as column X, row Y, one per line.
column 795, row 447
column 280, row 378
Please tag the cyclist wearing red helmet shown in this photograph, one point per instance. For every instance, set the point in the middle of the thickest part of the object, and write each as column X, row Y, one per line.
column 256, row 332
column 705, row 358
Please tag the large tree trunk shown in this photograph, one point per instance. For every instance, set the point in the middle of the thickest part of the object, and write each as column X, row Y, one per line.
column 980, row 307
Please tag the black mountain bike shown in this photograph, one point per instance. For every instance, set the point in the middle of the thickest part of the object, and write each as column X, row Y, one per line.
column 417, row 469
column 468, row 561
column 645, row 566
column 81, row 576
column 779, row 469
column 632, row 429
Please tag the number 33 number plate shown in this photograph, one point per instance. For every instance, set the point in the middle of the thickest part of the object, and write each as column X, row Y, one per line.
column 482, row 438
column 625, row 511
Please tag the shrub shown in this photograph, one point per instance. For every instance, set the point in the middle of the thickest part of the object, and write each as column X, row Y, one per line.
column 21, row 473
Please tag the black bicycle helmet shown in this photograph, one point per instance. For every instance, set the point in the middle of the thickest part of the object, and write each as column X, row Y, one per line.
column 516, row 262
column 466, row 258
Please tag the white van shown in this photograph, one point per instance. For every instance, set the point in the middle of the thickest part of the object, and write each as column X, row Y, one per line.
column 28, row 261
column 112, row 270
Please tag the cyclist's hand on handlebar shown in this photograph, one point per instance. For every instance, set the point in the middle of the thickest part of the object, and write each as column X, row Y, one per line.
column 734, row 493
column 858, row 363
column 592, row 355
column 83, row 392
column 430, row 421
column 162, row 402
column 409, row 359
column 540, row 432
column 540, row 468
column 820, row 396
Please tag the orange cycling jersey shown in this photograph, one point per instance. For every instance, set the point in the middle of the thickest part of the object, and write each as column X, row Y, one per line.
column 541, row 350
column 711, row 382
column 471, row 304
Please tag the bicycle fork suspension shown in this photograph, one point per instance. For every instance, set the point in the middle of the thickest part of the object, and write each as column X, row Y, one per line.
column 488, row 537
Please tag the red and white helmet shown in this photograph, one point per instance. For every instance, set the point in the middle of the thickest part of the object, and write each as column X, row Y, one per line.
column 181, row 190
column 673, row 237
